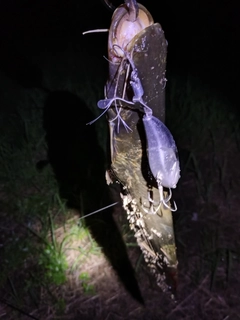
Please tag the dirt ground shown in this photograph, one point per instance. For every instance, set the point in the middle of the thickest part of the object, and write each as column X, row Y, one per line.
column 205, row 291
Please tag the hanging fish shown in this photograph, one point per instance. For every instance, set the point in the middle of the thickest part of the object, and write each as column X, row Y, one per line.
column 136, row 43
column 143, row 153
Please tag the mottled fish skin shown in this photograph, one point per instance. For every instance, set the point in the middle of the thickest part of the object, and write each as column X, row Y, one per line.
column 147, row 48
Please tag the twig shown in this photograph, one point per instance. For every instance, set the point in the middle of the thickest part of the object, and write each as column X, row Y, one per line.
column 18, row 309
column 187, row 298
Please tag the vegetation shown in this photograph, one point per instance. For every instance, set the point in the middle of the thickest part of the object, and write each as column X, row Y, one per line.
column 44, row 245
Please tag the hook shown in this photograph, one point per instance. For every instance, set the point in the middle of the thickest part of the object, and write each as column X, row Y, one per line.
column 164, row 201
column 132, row 6
column 132, row 9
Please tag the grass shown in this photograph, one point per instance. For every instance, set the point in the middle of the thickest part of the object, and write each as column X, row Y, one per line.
column 205, row 128
column 38, row 230
column 43, row 243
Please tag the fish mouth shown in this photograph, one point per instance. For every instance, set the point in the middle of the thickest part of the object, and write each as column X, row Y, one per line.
column 127, row 22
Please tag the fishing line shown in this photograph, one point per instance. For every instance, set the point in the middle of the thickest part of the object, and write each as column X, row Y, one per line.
column 89, row 214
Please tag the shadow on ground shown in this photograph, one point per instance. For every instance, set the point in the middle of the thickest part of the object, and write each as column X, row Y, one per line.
column 79, row 165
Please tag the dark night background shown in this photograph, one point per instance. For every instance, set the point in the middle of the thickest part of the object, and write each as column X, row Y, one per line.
column 203, row 36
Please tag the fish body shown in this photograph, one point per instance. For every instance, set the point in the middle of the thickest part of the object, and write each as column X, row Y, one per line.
column 141, row 43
